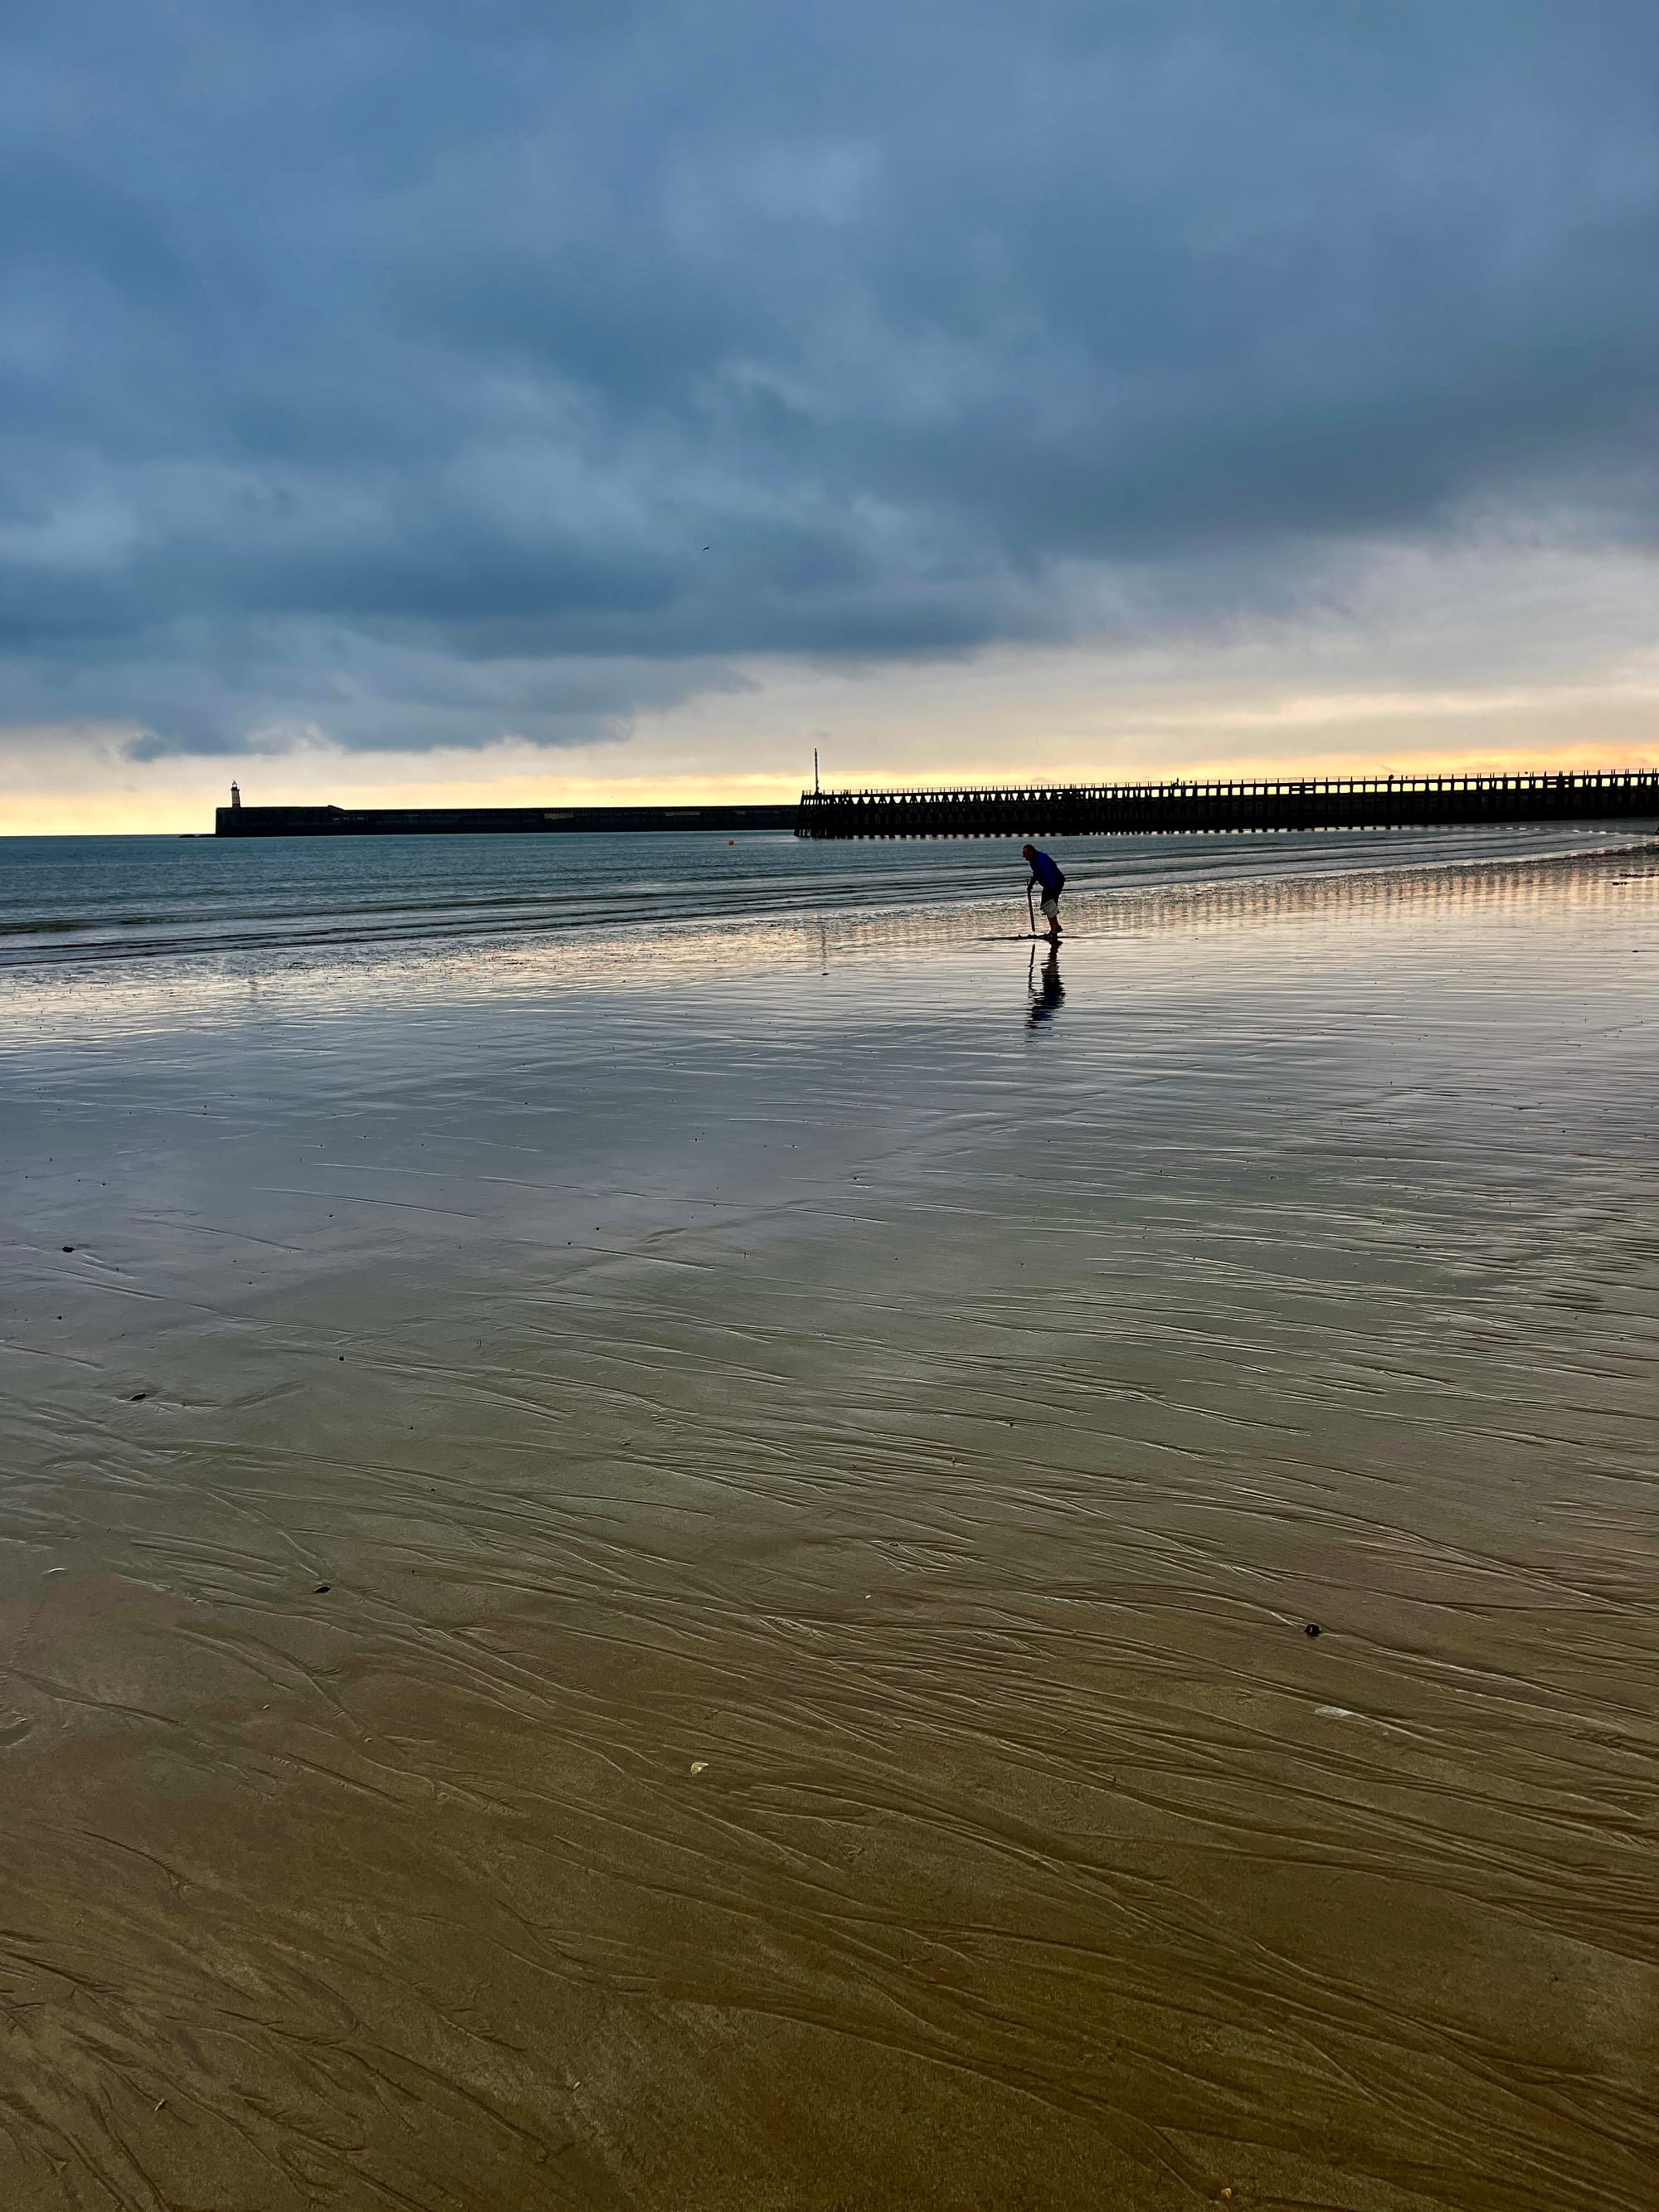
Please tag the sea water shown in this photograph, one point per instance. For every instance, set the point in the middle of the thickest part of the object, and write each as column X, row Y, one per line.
column 91, row 898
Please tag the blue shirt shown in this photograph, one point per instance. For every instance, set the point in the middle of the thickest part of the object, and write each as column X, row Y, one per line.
column 1044, row 871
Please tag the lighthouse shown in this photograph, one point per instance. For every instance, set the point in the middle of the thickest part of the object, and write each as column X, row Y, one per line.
column 235, row 795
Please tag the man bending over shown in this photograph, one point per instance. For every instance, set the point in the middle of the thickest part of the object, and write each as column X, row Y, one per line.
column 1048, row 877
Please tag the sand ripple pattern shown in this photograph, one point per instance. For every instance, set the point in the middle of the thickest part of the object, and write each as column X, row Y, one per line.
column 682, row 1581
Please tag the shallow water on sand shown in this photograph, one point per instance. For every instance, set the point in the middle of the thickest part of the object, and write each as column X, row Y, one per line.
column 675, row 1571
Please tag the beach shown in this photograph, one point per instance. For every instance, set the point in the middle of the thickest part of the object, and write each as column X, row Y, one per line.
column 772, row 1552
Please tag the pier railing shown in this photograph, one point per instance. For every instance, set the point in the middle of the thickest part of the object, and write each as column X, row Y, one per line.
column 1385, row 802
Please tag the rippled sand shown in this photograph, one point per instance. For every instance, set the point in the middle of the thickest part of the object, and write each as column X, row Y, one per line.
column 678, row 1576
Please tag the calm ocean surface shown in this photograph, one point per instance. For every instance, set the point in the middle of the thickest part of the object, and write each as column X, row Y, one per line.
column 78, row 899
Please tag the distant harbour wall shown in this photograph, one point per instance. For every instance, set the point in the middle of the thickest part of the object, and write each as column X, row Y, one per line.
column 1140, row 809
column 1026, row 811
column 487, row 820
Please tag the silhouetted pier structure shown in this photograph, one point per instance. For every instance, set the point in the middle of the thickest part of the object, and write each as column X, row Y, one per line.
column 1375, row 802
column 1050, row 809
column 237, row 820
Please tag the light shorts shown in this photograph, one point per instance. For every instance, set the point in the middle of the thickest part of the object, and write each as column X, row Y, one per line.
column 1051, row 905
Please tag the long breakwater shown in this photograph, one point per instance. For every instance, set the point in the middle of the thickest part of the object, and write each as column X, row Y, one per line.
column 1054, row 810
column 488, row 821
column 1325, row 803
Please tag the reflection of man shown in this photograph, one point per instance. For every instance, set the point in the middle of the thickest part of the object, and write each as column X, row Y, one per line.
column 1048, row 876
column 1048, row 992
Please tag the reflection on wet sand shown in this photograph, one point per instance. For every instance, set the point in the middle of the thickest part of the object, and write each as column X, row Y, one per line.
column 625, row 1587
column 1045, row 993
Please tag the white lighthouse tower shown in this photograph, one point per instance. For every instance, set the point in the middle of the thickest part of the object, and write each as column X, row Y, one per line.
column 235, row 794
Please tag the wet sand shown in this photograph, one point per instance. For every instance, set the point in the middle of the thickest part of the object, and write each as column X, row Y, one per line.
column 678, row 1574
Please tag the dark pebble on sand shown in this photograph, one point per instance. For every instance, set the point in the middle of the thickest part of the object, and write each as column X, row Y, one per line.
column 69, row 1248
column 138, row 1394
column 323, row 1588
column 1312, row 1629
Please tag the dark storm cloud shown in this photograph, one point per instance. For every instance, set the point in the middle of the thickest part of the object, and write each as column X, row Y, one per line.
column 415, row 375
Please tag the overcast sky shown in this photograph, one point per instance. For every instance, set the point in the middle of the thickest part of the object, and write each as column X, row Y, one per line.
column 419, row 400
